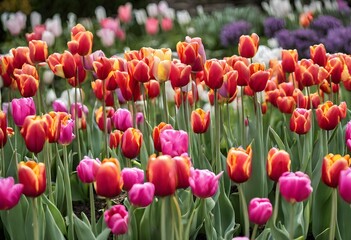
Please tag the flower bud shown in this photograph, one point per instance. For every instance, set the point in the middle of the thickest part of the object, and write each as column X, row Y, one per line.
column 260, row 210
column 203, row 183
column 108, row 179
column 10, row 193
column 87, row 169
column 131, row 142
column 116, row 218
column 200, row 120
column 332, row 166
column 300, row 121
column 345, row 185
column 141, row 194
column 239, row 164
column 131, row 176
column 33, row 177
column 295, row 186
column 278, row 162
column 174, row 142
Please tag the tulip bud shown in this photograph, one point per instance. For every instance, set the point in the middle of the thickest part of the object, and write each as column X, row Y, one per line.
column 239, row 164
column 278, row 162
column 10, row 193
column 300, row 121
column 295, row 186
column 81, row 41
column 248, row 45
column 66, row 130
column 258, row 77
column 332, row 166
column 318, row 54
column 329, row 115
column 122, row 119
column 21, row 108
column 203, row 183
column 33, row 177
column 174, row 142
column 38, row 51
column 108, row 179
column 200, row 120
column 131, row 142
column 131, row 176
column 27, row 79
column 345, row 185
column 141, row 194
column 63, row 65
column 99, row 118
column 156, row 134
column 152, row 88
column 260, row 210
column 289, row 60
column 162, row 172
column 34, row 131
column 59, row 106
column 116, row 218
column 87, row 169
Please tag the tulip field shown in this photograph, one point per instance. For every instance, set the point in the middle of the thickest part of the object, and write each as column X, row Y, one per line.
column 172, row 143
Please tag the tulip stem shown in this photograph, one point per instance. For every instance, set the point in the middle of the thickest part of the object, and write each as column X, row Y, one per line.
column 3, row 164
column 76, row 121
column 179, row 230
column 333, row 216
column 163, row 219
column 254, row 232
column 92, row 208
column 243, row 205
column 164, row 101
column 104, row 120
column 68, row 195
column 276, row 203
column 48, row 170
column 217, row 160
column 242, row 120
column 35, row 219
column 292, row 221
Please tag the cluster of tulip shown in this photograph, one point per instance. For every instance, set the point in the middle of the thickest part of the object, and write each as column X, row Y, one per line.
column 179, row 161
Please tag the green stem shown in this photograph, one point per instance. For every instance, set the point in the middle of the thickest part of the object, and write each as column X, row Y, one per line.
column 104, row 120
column 242, row 120
column 3, row 164
column 164, row 102
column 292, row 221
column 178, row 230
column 163, row 219
column 217, row 160
column 244, row 210
column 134, row 113
column 47, row 161
column 254, row 232
column 333, row 217
column 68, row 195
column 276, row 203
column 76, row 121
column 35, row 219
column 92, row 208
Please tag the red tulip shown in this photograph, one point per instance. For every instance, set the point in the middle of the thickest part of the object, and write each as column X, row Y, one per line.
column 33, row 177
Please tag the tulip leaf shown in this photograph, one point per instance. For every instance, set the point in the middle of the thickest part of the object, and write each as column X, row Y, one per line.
column 52, row 231
column 104, row 234
column 59, row 188
column 144, row 228
column 277, row 139
column 144, row 156
column 82, row 230
column 85, row 219
column 55, row 213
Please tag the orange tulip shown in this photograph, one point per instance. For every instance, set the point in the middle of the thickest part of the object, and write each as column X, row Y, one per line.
column 214, row 71
column 200, row 120
column 81, row 75
column 248, row 45
column 289, row 60
column 332, row 166
column 243, row 72
column 27, row 79
column 188, row 53
column 115, row 138
column 53, row 121
column 129, row 86
column 305, row 19
column 6, row 69
column 34, row 131
column 63, row 65
column 318, row 54
column 258, row 77
column 183, row 165
column 239, row 164
column 104, row 67
column 286, row 104
column 335, row 67
column 108, row 179
column 278, row 162
column 131, row 142
column 300, row 121
column 99, row 118
column 38, row 51
column 33, row 177
column 162, row 172
column 81, row 41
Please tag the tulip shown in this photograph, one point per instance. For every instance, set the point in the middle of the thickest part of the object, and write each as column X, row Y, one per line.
column 180, row 74
column 214, row 71
column 203, row 183
column 66, row 131
column 289, row 60
column 278, row 162
column 295, row 186
column 63, row 65
column 229, row 87
column 131, row 142
column 81, row 41
column 248, row 45
column 33, row 177
column 59, row 106
column 10, row 193
column 21, row 108
column 332, row 166
column 258, row 77
column 122, row 119
column 20, row 57
column 27, row 80
column 131, row 176
column 162, row 172
column 53, row 121
column 34, row 131
column 156, row 134
column 3, row 129
column 81, row 74
column 286, row 104
column 345, row 185
column 190, row 53
column 100, row 120
column 161, row 69
column 260, row 210
column 141, row 194
column 108, row 178
column 300, row 121
column 38, row 51
column 239, row 164
column 335, row 67
column 348, row 135
column 115, row 138
column 87, row 169
column 241, row 238
column 125, row 12
column 151, row 26
column 129, row 86
column 138, row 70
column 152, row 88
column 98, row 91
column 183, row 165
column 243, row 72
column 200, row 120
column 174, row 142
column 116, row 218
column 6, row 70
column 318, row 54
column 329, row 115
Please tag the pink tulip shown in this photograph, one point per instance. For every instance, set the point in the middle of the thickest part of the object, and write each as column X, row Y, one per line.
column 125, row 12
column 345, row 185
column 66, row 131
column 21, row 108
column 295, row 187
column 151, row 26
column 348, row 135
column 87, row 169
column 116, row 218
column 142, row 195
column 174, row 142
column 81, row 109
column 166, row 24
column 122, row 119
column 107, row 37
column 59, row 106
column 203, row 183
column 240, row 238
column 139, row 118
column 260, row 210
column 10, row 193
column 132, row 176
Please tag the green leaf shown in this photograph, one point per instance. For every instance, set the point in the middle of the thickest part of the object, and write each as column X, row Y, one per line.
column 59, row 188
column 82, row 230
column 52, row 231
column 56, row 214
column 104, row 234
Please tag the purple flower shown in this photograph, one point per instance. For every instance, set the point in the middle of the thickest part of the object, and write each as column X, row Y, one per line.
column 81, row 109
column 139, row 118
column 59, row 106
column 295, row 187
column 324, row 23
column 203, row 183
column 10, row 193
column 21, row 108
column 348, row 135
column 87, row 169
column 116, row 218
column 132, row 176
column 345, row 185
column 142, row 194
column 122, row 119
column 231, row 32
column 174, row 142
column 285, row 39
column 273, row 25
column 66, row 131
column 260, row 210
column 338, row 40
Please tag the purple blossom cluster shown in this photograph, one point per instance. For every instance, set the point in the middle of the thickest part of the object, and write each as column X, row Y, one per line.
column 272, row 25
column 338, row 40
column 324, row 23
column 231, row 32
